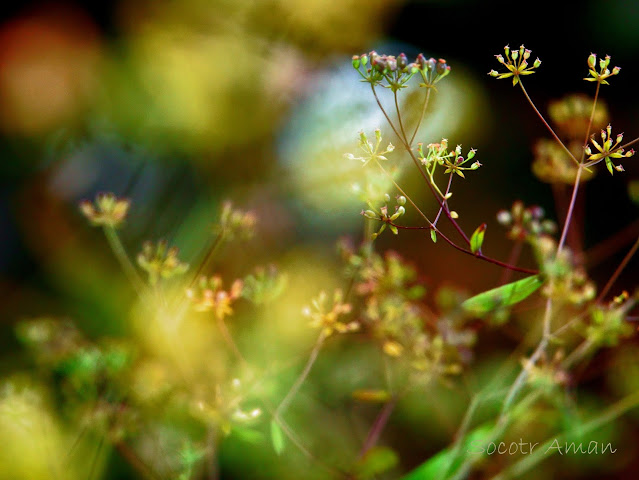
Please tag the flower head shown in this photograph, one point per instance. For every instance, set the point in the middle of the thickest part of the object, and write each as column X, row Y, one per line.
column 371, row 153
column 160, row 261
column 210, row 297
column 608, row 150
column 604, row 72
column 106, row 211
column 328, row 318
column 516, row 62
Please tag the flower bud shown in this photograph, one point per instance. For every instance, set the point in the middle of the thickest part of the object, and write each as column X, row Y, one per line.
column 616, row 70
column 592, row 60
column 356, row 62
column 504, row 217
column 401, row 200
column 402, row 61
column 364, row 59
column 386, row 197
column 537, row 63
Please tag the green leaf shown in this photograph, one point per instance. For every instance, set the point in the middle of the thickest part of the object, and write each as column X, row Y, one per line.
column 477, row 239
column 508, row 294
column 377, row 460
column 277, row 437
column 433, row 236
column 450, row 459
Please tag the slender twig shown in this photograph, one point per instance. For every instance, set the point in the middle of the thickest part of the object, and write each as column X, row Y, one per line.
column 378, row 426
column 120, row 254
column 541, row 117
column 527, row 462
column 440, row 201
column 209, row 255
column 478, row 255
column 512, row 259
column 421, row 117
column 228, row 339
column 94, row 461
column 432, row 226
column 618, row 271
column 135, row 461
column 445, row 202
column 302, row 377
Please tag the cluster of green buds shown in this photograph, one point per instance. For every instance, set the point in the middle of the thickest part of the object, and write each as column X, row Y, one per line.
column 160, row 261
column 235, row 223
column 382, row 214
column 372, row 153
column 222, row 406
column 549, row 376
column 264, row 286
column 525, row 223
column 608, row 150
column 328, row 318
column 397, row 71
column 516, row 62
column 209, row 296
column 106, row 211
column 603, row 73
column 607, row 324
column 431, row 70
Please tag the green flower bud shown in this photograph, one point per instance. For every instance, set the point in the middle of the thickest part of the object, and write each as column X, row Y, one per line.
column 401, row 200
column 592, row 60
column 356, row 62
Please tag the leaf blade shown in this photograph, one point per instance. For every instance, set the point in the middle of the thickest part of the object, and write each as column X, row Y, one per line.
column 505, row 295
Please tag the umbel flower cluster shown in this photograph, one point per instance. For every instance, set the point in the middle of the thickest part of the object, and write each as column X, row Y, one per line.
column 397, row 71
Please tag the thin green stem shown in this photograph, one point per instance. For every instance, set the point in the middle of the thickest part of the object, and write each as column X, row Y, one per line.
column 209, row 255
column 541, row 117
column 302, row 377
column 378, row 426
column 421, row 117
column 478, row 255
column 529, row 461
column 120, row 254
column 618, row 271
column 408, row 148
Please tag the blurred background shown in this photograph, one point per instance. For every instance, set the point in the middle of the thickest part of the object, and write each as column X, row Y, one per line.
column 180, row 106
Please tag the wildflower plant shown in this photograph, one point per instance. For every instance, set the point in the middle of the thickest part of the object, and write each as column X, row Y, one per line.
column 423, row 337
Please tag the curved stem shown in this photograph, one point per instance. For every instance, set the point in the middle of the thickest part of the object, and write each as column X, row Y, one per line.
column 478, row 255
column 120, row 253
column 527, row 462
column 440, row 201
column 300, row 380
column 541, row 117
column 618, row 271
column 378, row 426
column 421, row 117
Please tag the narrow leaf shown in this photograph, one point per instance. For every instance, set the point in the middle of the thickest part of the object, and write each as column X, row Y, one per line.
column 277, row 437
column 477, row 239
column 433, row 236
column 508, row 294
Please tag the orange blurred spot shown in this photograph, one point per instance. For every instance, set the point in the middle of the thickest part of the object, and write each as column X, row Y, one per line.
column 48, row 63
